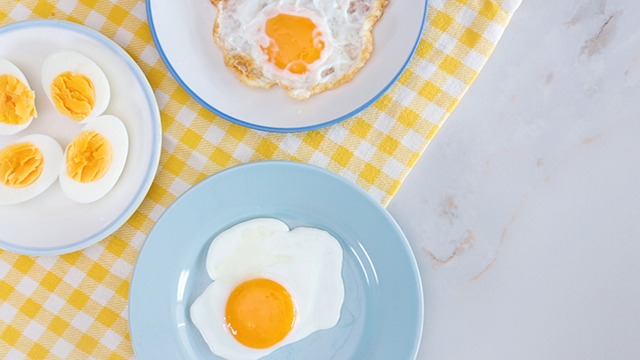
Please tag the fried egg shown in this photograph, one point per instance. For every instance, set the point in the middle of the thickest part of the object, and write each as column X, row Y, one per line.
column 28, row 167
column 305, row 46
column 75, row 85
column 272, row 286
column 94, row 160
column 17, row 100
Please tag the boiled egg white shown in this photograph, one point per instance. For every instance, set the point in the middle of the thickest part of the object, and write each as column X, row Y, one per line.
column 76, row 86
column 272, row 286
column 28, row 167
column 17, row 99
column 95, row 159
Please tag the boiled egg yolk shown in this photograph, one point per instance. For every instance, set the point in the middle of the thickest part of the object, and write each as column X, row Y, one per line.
column 294, row 42
column 17, row 101
column 73, row 95
column 20, row 164
column 88, row 157
column 259, row 313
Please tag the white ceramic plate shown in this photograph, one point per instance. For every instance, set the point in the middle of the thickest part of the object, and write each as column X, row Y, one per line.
column 51, row 223
column 182, row 31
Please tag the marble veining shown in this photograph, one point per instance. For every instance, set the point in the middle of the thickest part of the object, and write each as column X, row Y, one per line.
column 523, row 211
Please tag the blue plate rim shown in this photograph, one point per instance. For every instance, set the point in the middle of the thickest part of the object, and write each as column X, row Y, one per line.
column 404, row 243
column 223, row 115
column 152, row 167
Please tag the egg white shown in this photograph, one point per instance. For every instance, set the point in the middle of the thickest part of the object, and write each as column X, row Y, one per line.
column 7, row 67
column 53, row 157
column 114, row 130
column 62, row 61
column 306, row 261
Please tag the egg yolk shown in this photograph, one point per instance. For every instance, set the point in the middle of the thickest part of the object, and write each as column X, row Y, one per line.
column 17, row 101
column 88, row 157
column 294, row 42
column 259, row 313
column 20, row 164
column 73, row 95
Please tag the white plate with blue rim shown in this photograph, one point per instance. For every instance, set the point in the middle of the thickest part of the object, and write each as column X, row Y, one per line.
column 182, row 31
column 382, row 313
column 50, row 223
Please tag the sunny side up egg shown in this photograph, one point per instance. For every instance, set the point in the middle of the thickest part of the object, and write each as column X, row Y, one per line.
column 28, row 167
column 272, row 286
column 95, row 159
column 17, row 99
column 76, row 86
column 305, row 46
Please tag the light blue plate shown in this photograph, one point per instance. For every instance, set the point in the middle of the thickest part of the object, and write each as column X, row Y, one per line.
column 383, row 308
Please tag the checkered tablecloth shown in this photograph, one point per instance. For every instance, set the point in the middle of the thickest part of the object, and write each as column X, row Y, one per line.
column 75, row 306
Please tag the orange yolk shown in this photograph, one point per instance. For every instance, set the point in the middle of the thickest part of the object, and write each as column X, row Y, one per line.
column 88, row 157
column 20, row 164
column 294, row 42
column 17, row 101
column 73, row 95
column 259, row 313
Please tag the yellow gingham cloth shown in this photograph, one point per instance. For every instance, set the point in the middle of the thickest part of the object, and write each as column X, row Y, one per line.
column 75, row 306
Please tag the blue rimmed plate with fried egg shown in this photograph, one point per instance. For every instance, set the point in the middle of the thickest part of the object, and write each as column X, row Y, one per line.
column 381, row 315
column 205, row 63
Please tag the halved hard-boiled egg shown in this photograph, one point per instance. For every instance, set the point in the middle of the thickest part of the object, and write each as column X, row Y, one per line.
column 28, row 166
column 76, row 86
column 17, row 100
column 95, row 159
column 272, row 286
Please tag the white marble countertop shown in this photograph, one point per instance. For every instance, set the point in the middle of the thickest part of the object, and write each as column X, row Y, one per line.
column 524, row 212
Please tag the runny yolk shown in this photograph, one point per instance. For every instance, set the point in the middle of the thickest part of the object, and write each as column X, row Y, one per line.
column 259, row 313
column 17, row 101
column 88, row 157
column 73, row 95
column 294, row 42
column 20, row 164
